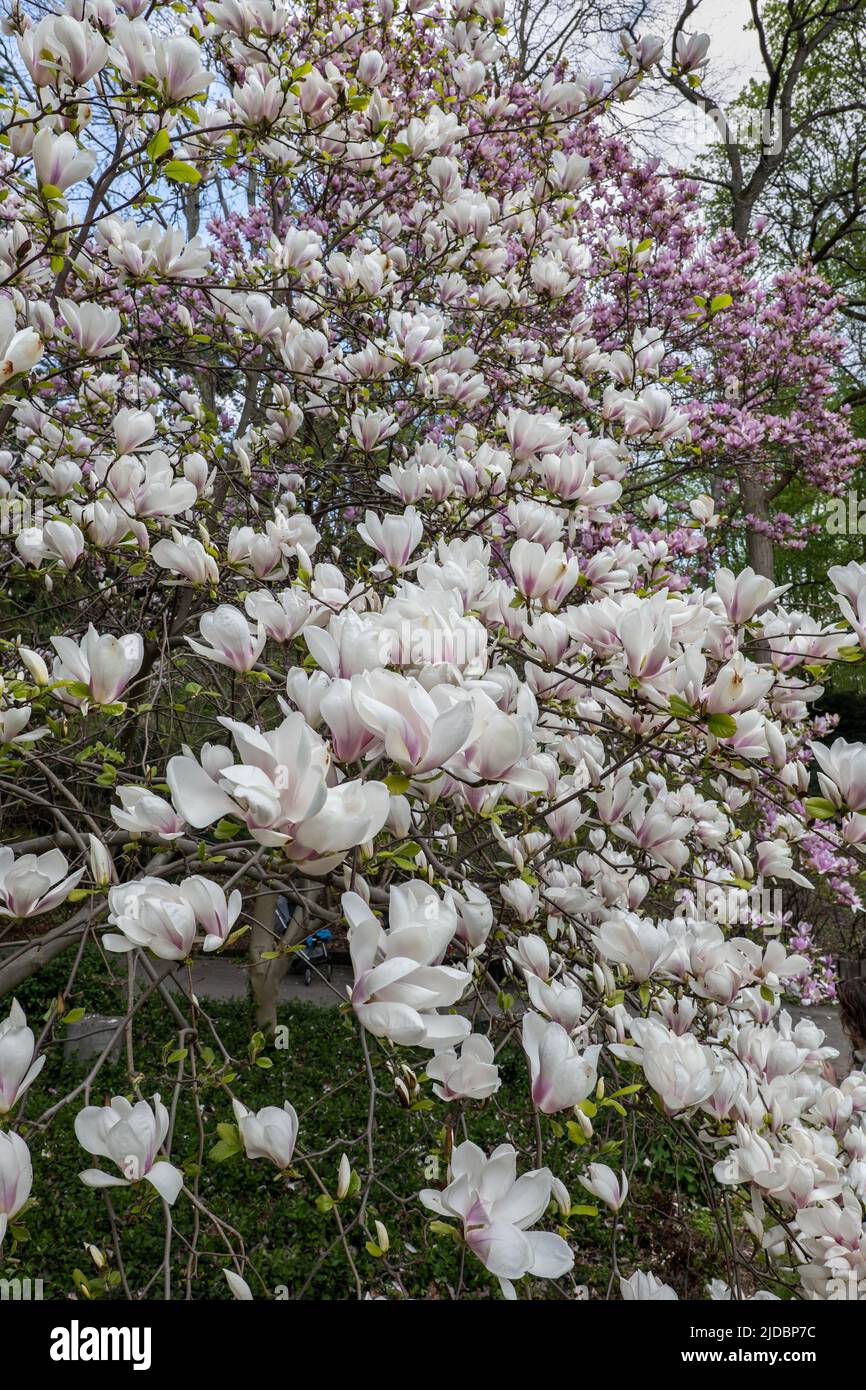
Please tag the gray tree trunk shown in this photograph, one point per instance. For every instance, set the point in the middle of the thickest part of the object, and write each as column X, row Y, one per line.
column 759, row 545
column 265, row 975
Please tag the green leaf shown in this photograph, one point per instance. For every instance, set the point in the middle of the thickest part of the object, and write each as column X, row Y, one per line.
column 721, row 301
column 819, row 808
column 159, row 144
column 722, row 725
column 681, row 708
column 397, row 783
column 583, row 1211
column 226, row 830
column 180, row 172
column 73, row 1016
column 221, row 1151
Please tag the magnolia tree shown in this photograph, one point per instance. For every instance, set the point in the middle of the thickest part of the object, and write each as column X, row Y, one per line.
column 324, row 582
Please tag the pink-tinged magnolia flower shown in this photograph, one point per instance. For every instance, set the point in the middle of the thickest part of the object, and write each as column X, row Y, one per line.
column 186, row 556
column 471, row 1076
column 498, row 748
column 350, row 737
column 746, row 593
column 540, row 570
column 145, row 813
column 643, row 1288
column 843, row 773
column 531, row 436
column 20, row 349
column 631, row 940
column 349, row 645
column 372, row 427
column 58, row 161
column 13, row 724
column 214, row 913
column 420, row 729
column 131, row 1137
column 132, row 429
column 775, row 860
column 559, row 1000
column 16, row 1178
column 34, row 883
column 283, row 613
column 521, row 897
column 679, row 1069
column 691, row 51
column 64, row 541
column 177, row 67
column 653, row 413
column 228, row 639
column 394, row 537
column 101, row 864
column 372, row 68
column 739, row 685
column 561, row 1076
column 270, row 1133
column 17, row 1067
column 279, row 790
column 151, row 914
column 399, row 982
column 497, row 1209
column 92, row 329
column 104, row 664
column 604, row 1184
column 474, row 914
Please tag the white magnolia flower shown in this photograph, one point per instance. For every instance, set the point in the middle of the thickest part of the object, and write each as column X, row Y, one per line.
column 16, row 1178
column 131, row 1136
column 34, row 883
column 643, row 1287
column 471, row 1076
column 271, row 1133
column 560, row 1074
column 399, row 983
column 17, row 1067
column 497, row 1209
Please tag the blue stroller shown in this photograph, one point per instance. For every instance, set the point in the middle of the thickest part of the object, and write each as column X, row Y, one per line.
column 314, row 950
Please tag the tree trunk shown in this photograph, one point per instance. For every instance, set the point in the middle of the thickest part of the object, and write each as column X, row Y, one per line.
column 759, row 545
column 265, row 975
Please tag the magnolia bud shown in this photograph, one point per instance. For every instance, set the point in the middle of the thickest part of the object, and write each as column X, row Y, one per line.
column 344, row 1178
column 35, row 665
column 101, row 863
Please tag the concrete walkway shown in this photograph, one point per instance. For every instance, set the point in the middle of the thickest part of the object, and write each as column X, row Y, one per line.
column 826, row 1016
column 219, row 978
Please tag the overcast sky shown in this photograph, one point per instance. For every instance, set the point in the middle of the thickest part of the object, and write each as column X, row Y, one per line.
column 734, row 60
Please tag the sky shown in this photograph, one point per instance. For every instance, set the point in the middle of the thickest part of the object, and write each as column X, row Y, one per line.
column 683, row 132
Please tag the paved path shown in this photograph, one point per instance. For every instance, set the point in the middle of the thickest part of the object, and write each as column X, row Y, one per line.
column 827, row 1017
column 227, row 979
